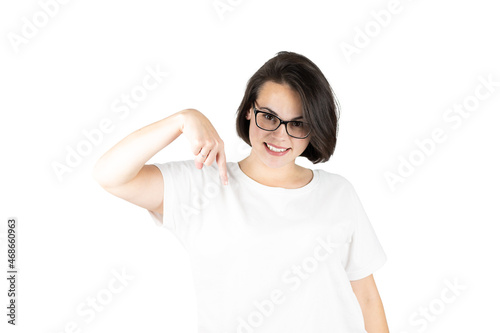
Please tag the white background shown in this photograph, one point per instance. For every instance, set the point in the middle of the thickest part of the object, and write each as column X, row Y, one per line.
column 439, row 224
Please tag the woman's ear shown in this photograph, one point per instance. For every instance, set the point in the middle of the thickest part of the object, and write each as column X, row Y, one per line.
column 248, row 115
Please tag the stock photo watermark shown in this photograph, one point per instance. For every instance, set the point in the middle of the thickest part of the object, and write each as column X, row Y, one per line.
column 12, row 269
column 453, row 117
column 90, row 308
column 379, row 20
column 423, row 318
column 200, row 200
column 31, row 26
column 222, row 7
column 121, row 106
column 293, row 277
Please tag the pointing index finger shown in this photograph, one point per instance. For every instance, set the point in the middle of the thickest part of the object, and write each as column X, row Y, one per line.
column 221, row 162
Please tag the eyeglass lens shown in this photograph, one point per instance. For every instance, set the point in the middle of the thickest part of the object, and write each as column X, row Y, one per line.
column 270, row 122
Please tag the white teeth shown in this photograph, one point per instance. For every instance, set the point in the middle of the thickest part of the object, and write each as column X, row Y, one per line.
column 275, row 149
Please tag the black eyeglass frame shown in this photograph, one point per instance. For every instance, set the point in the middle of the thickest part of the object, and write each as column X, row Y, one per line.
column 255, row 111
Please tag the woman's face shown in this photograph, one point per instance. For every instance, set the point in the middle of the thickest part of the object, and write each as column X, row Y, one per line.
column 287, row 105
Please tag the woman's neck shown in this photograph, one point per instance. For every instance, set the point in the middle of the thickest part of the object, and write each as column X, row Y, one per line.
column 288, row 176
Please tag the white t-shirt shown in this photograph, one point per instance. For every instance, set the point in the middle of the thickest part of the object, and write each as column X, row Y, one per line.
column 270, row 259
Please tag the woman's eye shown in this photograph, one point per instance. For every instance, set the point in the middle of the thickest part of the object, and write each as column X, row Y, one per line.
column 297, row 124
column 268, row 116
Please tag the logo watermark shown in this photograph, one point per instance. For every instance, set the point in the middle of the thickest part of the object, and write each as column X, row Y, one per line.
column 89, row 309
column 454, row 117
column 30, row 28
column 121, row 106
column 222, row 7
column 380, row 19
column 293, row 277
column 421, row 319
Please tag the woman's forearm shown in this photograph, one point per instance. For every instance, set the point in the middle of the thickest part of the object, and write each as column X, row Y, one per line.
column 124, row 160
column 374, row 315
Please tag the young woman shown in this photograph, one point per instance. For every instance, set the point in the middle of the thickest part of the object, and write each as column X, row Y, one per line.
column 274, row 247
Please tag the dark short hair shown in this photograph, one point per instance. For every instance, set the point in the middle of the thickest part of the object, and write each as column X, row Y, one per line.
column 319, row 104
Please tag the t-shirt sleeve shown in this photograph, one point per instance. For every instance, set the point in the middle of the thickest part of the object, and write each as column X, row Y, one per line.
column 365, row 254
column 174, row 175
column 183, row 186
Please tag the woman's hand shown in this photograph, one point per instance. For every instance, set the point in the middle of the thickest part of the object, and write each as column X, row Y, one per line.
column 205, row 142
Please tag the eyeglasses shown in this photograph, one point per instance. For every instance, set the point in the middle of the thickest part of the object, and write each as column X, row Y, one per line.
column 270, row 122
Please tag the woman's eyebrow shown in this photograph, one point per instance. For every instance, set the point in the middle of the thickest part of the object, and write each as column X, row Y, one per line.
column 271, row 111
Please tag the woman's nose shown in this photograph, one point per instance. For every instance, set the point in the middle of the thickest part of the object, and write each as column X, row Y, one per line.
column 281, row 131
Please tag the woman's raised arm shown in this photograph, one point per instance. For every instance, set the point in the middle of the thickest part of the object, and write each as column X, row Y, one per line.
column 122, row 170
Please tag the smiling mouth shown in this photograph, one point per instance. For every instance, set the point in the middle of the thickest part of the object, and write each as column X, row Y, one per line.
column 277, row 150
